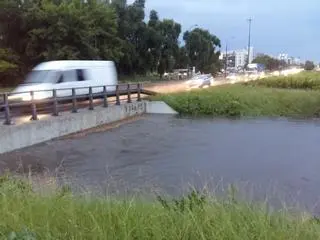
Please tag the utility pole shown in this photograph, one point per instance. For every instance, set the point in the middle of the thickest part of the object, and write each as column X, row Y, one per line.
column 249, row 40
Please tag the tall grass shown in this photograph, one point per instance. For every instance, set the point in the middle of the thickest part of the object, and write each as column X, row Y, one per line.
column 28, row 215
column 303, row 80
column 238, row 100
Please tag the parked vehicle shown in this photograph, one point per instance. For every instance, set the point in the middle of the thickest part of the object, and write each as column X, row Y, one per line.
column 65, row 75
column 200, row 81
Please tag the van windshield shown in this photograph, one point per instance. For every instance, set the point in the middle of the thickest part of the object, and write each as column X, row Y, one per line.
column 39, row 76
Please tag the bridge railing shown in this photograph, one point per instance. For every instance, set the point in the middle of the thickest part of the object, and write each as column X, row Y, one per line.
column 57, row 97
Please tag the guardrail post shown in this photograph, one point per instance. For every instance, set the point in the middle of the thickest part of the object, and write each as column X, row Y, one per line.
column 33, row 107
column 55, row 103
column 6, row 110
column 117, row 95
column 139, row 92
column 90, row 99
column 74, row 101
column 129, row 94
column 105, row 97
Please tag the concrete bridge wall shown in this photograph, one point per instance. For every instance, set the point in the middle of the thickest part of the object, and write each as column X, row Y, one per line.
column 14, row 137
column 32, row 132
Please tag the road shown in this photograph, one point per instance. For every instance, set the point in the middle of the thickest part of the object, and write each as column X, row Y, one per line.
column 179, row 86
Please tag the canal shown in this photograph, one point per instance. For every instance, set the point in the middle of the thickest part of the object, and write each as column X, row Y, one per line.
column 274, row 159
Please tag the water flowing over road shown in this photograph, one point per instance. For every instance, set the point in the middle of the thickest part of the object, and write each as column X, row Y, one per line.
column 273, row 158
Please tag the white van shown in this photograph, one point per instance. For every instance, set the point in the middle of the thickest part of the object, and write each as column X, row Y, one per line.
column 67, row 74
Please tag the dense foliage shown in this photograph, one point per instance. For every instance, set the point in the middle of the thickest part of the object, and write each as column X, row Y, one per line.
column 200, row 47
column 309, row 65
column 270, row 63
column 32, row 31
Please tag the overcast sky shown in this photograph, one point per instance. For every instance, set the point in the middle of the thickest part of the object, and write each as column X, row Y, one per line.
column 289, row 26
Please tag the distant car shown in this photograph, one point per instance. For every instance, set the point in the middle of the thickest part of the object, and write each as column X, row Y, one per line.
column 200, row 81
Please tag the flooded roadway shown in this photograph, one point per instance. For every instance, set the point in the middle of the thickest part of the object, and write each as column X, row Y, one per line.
column 274, row 158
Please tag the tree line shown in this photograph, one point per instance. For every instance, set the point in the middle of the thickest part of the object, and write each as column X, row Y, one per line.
column 272, row 64
column 33, row 31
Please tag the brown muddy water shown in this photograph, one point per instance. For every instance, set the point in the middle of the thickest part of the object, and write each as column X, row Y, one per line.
column 273, row 159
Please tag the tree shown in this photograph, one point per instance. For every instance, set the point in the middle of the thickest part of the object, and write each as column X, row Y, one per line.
column 9, row 70
column 153, row 19
column 201, row 48
column 154, row 41
column 45, row 30
column 309, row 66
column 14, row 29
column 182, row 60
column 135, row 35
column 270, row 63
column 32, row 31
column 163, row 43
column 169, row 49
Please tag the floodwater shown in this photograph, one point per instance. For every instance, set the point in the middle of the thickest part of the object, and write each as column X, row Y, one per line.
column 274, row 159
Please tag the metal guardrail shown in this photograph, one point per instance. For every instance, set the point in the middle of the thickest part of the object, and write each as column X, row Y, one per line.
column 120, row 90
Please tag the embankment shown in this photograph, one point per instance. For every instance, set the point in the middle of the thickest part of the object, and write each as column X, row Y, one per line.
column 270, row 97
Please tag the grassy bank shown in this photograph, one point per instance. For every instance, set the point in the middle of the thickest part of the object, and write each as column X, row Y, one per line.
column 28, row 215
column 238, row 100
column 303, row 80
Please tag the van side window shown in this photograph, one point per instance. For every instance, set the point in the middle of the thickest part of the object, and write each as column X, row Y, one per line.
column 81, row 75
column 60, row 78
column 69, row 76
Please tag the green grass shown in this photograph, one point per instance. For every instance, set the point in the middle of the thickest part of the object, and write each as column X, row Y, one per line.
column 29, row 215
column 303, row 80
column 245, row 101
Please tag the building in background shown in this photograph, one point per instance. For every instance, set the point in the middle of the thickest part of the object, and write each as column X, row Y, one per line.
column 289, row 60
column 237, row 59
column 294, row 61
column 283, row 57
